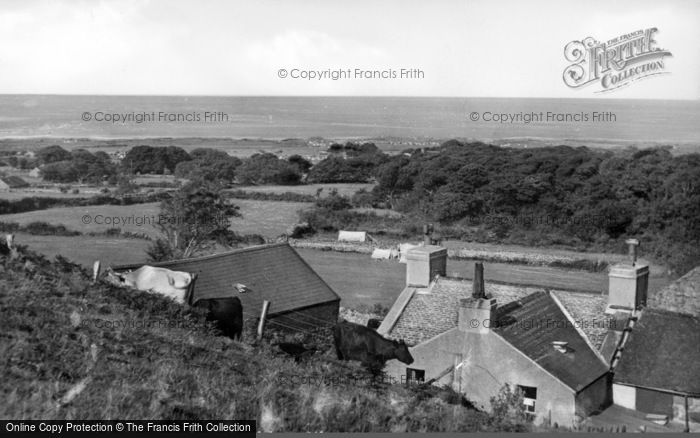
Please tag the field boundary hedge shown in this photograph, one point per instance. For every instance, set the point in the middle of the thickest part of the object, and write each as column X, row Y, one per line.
column 510, row 257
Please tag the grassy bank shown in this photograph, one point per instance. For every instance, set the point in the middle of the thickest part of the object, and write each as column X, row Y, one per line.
column 76, row 350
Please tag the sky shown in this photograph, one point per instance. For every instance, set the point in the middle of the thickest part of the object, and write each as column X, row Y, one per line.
column 465, row 48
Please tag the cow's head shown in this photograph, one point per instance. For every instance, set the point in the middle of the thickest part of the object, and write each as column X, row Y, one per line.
column 180, row 280
column 402, row 353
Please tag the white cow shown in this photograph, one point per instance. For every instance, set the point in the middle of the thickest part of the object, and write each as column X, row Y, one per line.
column 172, row 284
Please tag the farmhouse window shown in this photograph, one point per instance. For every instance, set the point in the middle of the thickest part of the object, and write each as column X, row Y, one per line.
column 529, row 398
column 414, row 376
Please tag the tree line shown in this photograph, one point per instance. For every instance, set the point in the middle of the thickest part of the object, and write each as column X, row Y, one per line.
column 571, row 196
column 559, row 194
column 82, row 166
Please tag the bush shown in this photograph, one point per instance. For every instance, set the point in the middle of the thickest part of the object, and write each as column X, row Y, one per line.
column 508, row 410
column 160, row 250
column 79, row 166
column 267, row 168
column 300, row 230
column 42, row 203
column 155, row 160
column 52, row 154
column 334, row 202
column 46, row 229
column 265, row 196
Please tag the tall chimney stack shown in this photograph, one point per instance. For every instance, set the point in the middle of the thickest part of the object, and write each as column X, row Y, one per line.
column 423, row 263
column 628, row 283
column 478, row 284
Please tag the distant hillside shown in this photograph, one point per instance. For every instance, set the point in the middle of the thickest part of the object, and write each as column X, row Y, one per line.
column 71, row 349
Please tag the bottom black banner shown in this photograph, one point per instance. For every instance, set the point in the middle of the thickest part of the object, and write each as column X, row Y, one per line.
column 126, row 428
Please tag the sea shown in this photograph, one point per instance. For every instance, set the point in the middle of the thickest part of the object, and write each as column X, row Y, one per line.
column 561, row 121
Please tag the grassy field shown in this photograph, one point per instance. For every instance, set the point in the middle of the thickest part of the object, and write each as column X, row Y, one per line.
column 84, row 250
column 493, row 247
column 360, row 280
column 269, row 219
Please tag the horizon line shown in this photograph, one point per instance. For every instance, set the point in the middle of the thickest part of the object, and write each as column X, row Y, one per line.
column 349, row 96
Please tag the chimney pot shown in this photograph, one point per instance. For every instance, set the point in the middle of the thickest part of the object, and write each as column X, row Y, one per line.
column 632, row 245
column 428, row 234
column 478, row 283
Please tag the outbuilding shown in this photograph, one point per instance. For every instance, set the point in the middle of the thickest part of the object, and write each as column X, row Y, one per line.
column 300, row 300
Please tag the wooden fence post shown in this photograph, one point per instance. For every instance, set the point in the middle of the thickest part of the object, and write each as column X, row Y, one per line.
column 263, row 316
column 95, row 271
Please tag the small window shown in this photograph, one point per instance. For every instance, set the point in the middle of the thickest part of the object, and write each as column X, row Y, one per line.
column 529, row 398
column 415, row 376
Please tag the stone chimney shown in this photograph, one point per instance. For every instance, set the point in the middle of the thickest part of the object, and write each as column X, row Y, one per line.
column 423, row 263
column 476, row 315
column 478, row 290
column 476, row 312
column 628, row 283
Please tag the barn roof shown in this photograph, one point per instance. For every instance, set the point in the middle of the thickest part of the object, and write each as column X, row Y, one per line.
column 276, row 273
column 683, row 295
column 533, row 323
column 663, row 352
column 431, row 311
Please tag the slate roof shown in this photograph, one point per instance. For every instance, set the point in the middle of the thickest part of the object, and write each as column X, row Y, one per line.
column 432, row 311
column 663, row 352
column 531, row 324
column 683, row 295
column 276, row 273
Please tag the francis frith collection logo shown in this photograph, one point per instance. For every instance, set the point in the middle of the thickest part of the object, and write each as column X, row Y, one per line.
column 614, row 63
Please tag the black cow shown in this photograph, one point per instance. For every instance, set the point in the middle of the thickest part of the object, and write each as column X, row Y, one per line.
column 373, row 323
column 226, row 311
column 357, row 342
